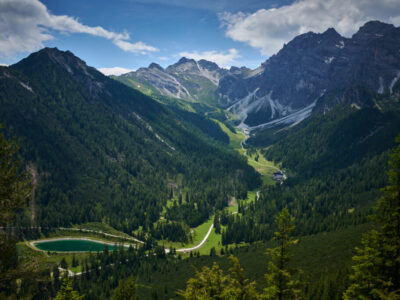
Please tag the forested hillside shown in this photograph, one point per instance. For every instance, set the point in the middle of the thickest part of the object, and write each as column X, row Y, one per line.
column 100, row 151
column 335, row 161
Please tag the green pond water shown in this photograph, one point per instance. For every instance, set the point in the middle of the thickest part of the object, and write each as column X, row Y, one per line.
column 72, row 246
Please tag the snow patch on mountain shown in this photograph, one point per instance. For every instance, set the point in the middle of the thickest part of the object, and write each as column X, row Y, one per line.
column 252, row 103
column 381, row 87
column 241, row 107
column 393, row 82
column 328, row 60
column 26, row 86
column 340, row 45
column 291, row 119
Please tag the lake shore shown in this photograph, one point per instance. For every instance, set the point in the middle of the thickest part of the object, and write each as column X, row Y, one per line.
column 33, row 243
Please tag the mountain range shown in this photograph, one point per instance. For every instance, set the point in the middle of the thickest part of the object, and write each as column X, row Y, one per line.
column 284, row 90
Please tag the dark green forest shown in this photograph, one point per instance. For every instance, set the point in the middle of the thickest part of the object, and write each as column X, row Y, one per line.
column 336, row 164
column 101, row 151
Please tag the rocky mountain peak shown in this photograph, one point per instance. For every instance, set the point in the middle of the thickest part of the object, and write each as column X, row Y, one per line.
column 155, row 66
column 183, row 65
column 66, row 59
column 185, row 60
column 331, row 33
column 209, row 65
column 373, row 29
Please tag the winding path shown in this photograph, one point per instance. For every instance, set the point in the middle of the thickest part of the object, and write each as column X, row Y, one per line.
column 200, row 244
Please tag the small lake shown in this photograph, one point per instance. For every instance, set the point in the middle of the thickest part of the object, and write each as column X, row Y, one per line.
column 72, row 245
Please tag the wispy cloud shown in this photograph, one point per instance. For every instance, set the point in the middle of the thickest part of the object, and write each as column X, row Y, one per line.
column 114, row 71
column 138, row 47
column 215, row 6
column 219, row 57
column 269, row 29
column 26, row 24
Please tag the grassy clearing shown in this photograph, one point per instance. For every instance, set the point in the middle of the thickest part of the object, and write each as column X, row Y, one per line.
column 234, row 138
column 198, row 235
column 255, row 159
column 251, row 197
column 101, row 227
column 233, row 208
column 56, row 259
column 263, row 166
column 214, row 240
column 27, row 253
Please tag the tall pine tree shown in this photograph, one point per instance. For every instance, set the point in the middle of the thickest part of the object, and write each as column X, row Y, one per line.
column 15, row 189
column 126, row 290
column 377, row 263
column 67, row 292
column 212, row 283
column 281, row 282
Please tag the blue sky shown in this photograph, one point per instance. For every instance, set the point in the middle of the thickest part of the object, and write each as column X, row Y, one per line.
column 133, row 33
column 171, row 29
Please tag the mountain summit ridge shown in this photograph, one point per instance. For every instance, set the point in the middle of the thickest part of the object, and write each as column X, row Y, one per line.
column 186, row 79
column 285, row 88
column 310, row 67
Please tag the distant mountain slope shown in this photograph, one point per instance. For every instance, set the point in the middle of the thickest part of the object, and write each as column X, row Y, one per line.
column 101, row 151
column 312, row 66
column 285, row 89
column 187, row 79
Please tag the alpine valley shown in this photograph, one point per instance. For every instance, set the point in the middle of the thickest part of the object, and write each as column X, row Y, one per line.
column 191, row 163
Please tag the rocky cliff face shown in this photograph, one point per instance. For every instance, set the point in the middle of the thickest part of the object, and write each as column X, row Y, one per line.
column 285, row 88
column 187, row 79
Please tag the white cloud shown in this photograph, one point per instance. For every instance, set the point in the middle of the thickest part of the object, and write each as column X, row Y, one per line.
column 26, row 24
column 163, row 58
column 220, row 58
column 114, row 71
column 138, row 47
column 269, row 29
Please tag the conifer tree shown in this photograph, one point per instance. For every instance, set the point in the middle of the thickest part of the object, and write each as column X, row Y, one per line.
column 212, row 283
column 207, row 284
column 15, row 185
column 281, row 283
column 239, row 287
column 126, row 290
column 376, row 272
column 67, row 292
column 15, row 188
